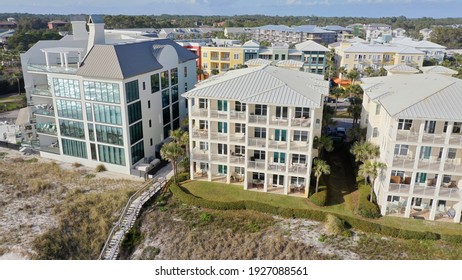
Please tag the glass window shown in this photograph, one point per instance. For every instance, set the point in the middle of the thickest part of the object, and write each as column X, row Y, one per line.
column 240, row 107
column 185, row 71
column 404, row 124
column 222, row 105
column 258, row 176
column 279, row 157
column 165, row 98
column 176, row 124
column 174, row 76
column 134, row 112
column 203, row 146
column 174, row 91
column 239, row 150
column 203, row 124
column 377, row 109
column 260, row 110
column 89, row 112
column 176, row 110
column 239, row 128
column 74, row 148
column 281, row 112
column 456, row 127
column 136, row 132
column 222, row 149
column 375, row 132
column 111, row 154
column 72, row 129
column 401, row 149
column 137, row 152
column 93, row 151
column 109, row 134
column 69, row 109
column 301, row 112
column 300, row 159
column 91, row 131
column 167, row 129
column 300, row 135
column 66, row 88
column 259, row 154
column 166, row 115
column 222, row 127
column 107, row 114
column 203, row 103
column 222, row 169
column 260, row 132
column 132, row 92
column 452, row 153
column 101, row 92
column 155, row 83
column 164, row 79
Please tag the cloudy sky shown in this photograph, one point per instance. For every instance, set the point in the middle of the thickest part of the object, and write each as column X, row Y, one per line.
column 366, row 8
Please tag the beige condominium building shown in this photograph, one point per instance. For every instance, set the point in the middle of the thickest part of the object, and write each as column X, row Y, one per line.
column 255, row 127
column 416, row 120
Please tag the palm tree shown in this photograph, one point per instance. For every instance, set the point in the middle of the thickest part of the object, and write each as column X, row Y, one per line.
column 355, row 110
column 341, row 72
column 371, row 169
column 353, row 75
column 320, row 167
column 172, row 152
column 181, row 138
column 337, row 92
column 364, row 151
column 369, row 71
column 324, row 143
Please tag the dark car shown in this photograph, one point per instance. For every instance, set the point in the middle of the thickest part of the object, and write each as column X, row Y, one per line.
column 330, row 100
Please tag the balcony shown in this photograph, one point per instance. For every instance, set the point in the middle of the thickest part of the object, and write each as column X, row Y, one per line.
column 455, row 139
column 200, row 134
column 407, row 136
column 424, row 190
column 403, row 162
column 453, row 165
column 219, row 136
column 259, row 165
column 301, row 122
column 399, row 188
column 237, row 159
column 299, row 146
column 225, row 58
column 279, row 167
column 218, row 114
column 44, row 110
column 236, row 115
column 257, row 142
column 53, row 149
column 200, row 155
column 257, row 119
column 279, row 121
column 429, row 164
column 47, row 128
column 298, row 169
column 220, row 158
column 433, row 138
column 450, row 193
column 281, row 145
column 215, row 57
column 40, row 91
column 52, row 69
column 199, row 112
column 237, row 137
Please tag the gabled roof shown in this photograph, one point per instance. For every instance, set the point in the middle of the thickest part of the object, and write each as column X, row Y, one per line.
column 437, row 69
column 379, row 48
column 311, row 46
column 424, row 44
column 257, row 62
column 265, row 85
column 128, row 60
column 251, row 43
column 401, row 68
column 420, row 96
column 290, row 63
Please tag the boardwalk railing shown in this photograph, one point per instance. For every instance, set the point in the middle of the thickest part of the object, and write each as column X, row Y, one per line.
column 128, row 217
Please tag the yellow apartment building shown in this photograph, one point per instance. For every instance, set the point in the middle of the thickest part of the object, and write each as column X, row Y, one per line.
column 221, row 58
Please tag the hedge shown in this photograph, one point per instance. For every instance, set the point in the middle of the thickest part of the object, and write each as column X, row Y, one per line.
column 366, row 208
column 361, row 224
column 320, row 197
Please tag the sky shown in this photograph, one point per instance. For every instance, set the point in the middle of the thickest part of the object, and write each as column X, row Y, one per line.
column 322, row 8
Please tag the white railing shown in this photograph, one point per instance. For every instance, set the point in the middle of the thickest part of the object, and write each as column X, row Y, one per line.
column 219, row 136
column 298, row 169
column 218, row 114
column 424, row 190
column 450, row 193
column 199, row 112
column 256, row 165
column 399, row 188
column 127, row 218
column 200, row 155
column 407, row 136
column 301, row 122
column 278, row 145
column 455, row 140
column 299, row 146
column 200, row 133
column 403, row 162
column 257, row 119
column 237, row 159
column 429, row 164
column 453, row 165
column 281, row 167
column 237, row 137
column 433, row 138
column 257, row 142
column 220, row 158
column 236, row 115
column 279, row 121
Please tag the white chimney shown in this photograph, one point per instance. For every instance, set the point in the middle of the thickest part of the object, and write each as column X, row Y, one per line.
column 79, row 30
column 96, row 31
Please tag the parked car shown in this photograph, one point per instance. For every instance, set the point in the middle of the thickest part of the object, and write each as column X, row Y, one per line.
column 330, row 100
column 341, row 132
column 348, row 99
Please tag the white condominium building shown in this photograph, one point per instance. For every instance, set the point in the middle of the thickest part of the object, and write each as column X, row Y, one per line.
column 255, row 127
column 416, row 120
column 94, row 102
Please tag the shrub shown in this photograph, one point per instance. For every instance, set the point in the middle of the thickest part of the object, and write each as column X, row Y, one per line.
column 365, row 208
column 32, row 160
column 2, row 155
column 90, row 175
column 205, row 218
column 182, row 177
column 76, row 164
column 334, row 226
column 320, row 197
column 150, row 252
column 132, row 239
column 38, row 186
column 100, row 168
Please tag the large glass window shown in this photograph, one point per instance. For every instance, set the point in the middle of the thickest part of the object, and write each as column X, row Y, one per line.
column 109, row 134
column 176, row 110
column 174, row 91
column 101, row 92
column 137, row 152
column 222, row 127
column 72, row 129
column 176, row 124
column 74, row 148
column 260, row 110
column 69, row 109
column 66, row 88
column 132, row 92
column 107, row 114
column 259, row 155
column 164, row 79
column 260, row 132
column 279, row 157
column 89, row 112
column 404, row 124
column 301, row 112
column 165, row 98
column 203, row 103
column 111, row 154
column 166, row 115
column 281, row 112
column 240, row 107
column 167, row 129
column 300, row 135
column 91, row 132
column 300, row 159
column 134, row 112
column 155, row 83
column 136, row 132
column 174, row 76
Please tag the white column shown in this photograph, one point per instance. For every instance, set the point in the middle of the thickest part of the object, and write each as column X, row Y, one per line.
column 80, row 60
column 383, row 209
column 47, row 61
column 407, row 211
column 433, row 210
column 61, row 58
column 458, row 208
column 190, row 121
column 65, row 60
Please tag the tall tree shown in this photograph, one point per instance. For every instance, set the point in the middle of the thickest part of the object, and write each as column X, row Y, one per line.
column 353, row 75
column 324, row 143
column 364, row 151
column 337, row 92
column 172, row 152
column 371, row 169
column 320, row 167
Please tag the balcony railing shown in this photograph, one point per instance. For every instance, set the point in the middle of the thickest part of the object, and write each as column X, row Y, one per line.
column 237, row 159
column 220, row 158
column 429, row 164
column 214, row 57
column 199, row 112
column 403, row 162
column 424, row 190
column 236, row 115
column 257, row 119
column 278, row 145
column 52, row 68
column 299, row 146
column 279, row 121
column 237, row 137
column 450, row 193
column 201, row 155
column 50, row 149
column 433, row 138
column 41, row 91
column 298, row 169
column 260, row 165
column 407, row 136
column 453, row 165
column 225, row 58
column 47, row 128
column 45, row 112
column 301, row 122
column 399, row 188
column 200, row 133
column 280, row 167
column 219, row 136
column 257, row 142
column 455, row 139
column 218, row 114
